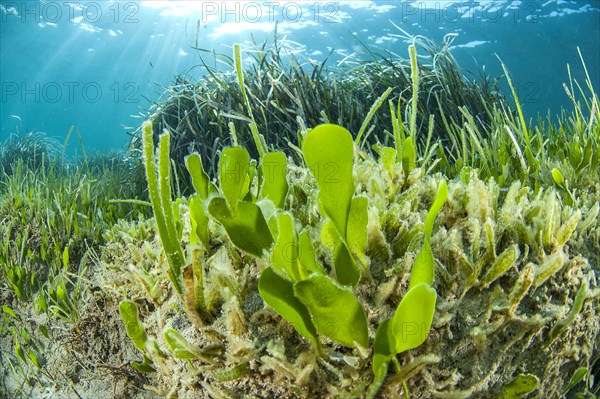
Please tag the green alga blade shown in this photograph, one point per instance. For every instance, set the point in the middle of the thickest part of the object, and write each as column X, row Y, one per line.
column 200, row 179
column 233, row 174
column 440, row 199
column 388, row 158
column 346, row 270
column 409, row 155
column 575, row 379
column 520, row 386
column 356, row 235
column 306, row 254
column 334, row 309
column 284, row 255
column 329, row 153
column 383, row 348
column 501, row 265
column 274, row 182
column 422, row 269
column 278, row 293
column 413, row 317
column 133, row 327
column 180, row 347
column 199, row 220
column 247, row 229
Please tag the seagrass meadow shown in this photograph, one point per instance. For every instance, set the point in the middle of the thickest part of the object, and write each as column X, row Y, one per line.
column 282, row 229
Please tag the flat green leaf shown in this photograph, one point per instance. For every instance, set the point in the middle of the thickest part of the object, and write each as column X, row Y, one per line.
column 278, row 293
column 284, row 256
column 520, row 386
column 575, row 379
column 440, row 199
column 344, row 266
column 19, row 350
column 422, row 269
column 177, row 219
column 65, row 258
column 233, row 174
column 550, row 265
column 9, row 311
column 199, row 220
column 329, row 235
column 44, row 331
column 346, row 270
column 33, row 357
column 501, row 265
column 306, row 254
column 413, row 317
column 200, row 179
column 334, row 309
column 558, row 177
column 409, row 155
column 274, row 182
column 563, row 323
column 247, row 229
column 133, row 327
column 388, row 157
column 357, row 227
column 329, row 153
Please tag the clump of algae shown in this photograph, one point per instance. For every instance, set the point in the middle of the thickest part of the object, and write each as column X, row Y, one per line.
column 487, row 329
column 516, row 262
column 515, row 273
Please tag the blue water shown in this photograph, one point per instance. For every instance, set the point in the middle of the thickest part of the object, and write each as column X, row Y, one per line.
column 95, row 65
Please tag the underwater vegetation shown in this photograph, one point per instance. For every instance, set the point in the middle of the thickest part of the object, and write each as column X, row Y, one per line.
column 34, row 148
column 52, row 217
column 284, row 87
column 427, row 251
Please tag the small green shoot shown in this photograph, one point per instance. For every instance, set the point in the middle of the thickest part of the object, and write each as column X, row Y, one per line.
column 306, row 254
column 561, row 324
column 422, row 269
column 577, row 377
column 501, row 265
column 200, row 180
column 134, row 328
column 180, row 347
column 199, row 221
